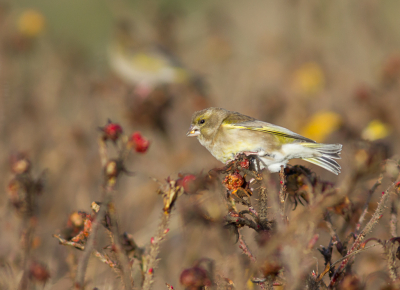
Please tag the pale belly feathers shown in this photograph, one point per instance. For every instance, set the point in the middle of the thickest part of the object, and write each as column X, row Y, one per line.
column 263, row 145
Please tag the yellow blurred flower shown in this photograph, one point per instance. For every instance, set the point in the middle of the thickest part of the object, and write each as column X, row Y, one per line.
column 31, row 23
column 375, row 130
column 309, row 78
column 321, row 125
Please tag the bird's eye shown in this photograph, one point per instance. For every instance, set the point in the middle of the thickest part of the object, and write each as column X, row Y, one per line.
column 202, row 121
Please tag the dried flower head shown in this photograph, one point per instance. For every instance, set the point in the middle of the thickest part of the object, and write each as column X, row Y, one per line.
column 233, row 181
column 300, row 181
column 170, row 193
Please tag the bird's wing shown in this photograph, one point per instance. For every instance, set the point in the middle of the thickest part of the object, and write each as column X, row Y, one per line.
column 265, row 127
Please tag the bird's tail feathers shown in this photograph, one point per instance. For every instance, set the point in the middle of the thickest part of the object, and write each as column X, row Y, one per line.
column 329, row 152
column 326, row 163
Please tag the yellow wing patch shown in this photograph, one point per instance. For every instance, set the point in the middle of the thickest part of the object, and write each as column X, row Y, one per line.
column 282, row 134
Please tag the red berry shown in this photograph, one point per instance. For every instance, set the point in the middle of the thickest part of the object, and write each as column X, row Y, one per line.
column 187, row 182
column 38, row 272
column 194, row 278
column 112, row 131
column 138, row 142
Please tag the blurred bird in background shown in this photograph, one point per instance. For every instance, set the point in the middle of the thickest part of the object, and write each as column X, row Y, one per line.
column 157, row 77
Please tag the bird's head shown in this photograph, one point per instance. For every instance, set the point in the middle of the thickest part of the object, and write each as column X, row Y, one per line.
column 205, row 123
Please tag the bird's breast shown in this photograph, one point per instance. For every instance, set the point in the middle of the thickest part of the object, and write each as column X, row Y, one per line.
column 230, row 142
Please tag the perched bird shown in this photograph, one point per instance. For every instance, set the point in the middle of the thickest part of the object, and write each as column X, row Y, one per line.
column 226, row 134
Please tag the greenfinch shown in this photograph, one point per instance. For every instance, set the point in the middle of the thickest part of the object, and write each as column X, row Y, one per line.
column 143, row 64
column 226, row 134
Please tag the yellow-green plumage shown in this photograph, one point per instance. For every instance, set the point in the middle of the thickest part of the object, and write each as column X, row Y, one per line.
column 226, row 134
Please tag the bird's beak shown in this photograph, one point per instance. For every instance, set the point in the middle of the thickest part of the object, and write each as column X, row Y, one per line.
column 193, row 131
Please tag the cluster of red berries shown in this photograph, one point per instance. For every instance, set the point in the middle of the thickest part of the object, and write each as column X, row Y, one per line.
column 113, row 131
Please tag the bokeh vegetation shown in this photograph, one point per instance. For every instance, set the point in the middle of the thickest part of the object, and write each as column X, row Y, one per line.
column 327, row 70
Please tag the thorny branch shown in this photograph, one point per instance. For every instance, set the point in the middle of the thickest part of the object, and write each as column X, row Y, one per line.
column 365, row 210
column 374, row 220
column 151, row 258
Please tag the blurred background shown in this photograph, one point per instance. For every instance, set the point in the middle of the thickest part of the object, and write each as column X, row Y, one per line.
column 327, row 70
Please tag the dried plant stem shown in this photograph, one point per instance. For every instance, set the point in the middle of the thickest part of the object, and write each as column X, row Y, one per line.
column 282, row 193
column 365, row 210
column 393, row 218
column 335, row 237
column 29, row 230
column 245, row 249
column 103, row 152
column 391, row 261
column 353, row 254
column 89, row 247
column 263, row 199
column 125, row 270
column 69, row 243
column 106, row 260
column 28, row 227
column 263, row 204
column 243, row 246
column 84, row 260
column 151, row 259
column 372, row 222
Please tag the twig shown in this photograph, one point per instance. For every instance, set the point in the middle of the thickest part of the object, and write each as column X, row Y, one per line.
column 28, row 224
column 125, row 270
column 335, row 237
column 103, row 152
column 106, row 260
column 84, row 260
column 282, row 193
column 365, row 210
column 263, row 200
column 151, row 259
column 393, row 218
column 243, row 246
column 109, row 192
column 352, row 254
column 241, row 221
column 69, row 243
column 245, row 249
column 374, row 220
column 391, row 260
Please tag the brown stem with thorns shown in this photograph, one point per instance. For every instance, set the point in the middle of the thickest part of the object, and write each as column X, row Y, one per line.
column 365, row 210
column 151, row 259
column 393, row 218
column 282, row 193
column 372, row 222
column 89, row 247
